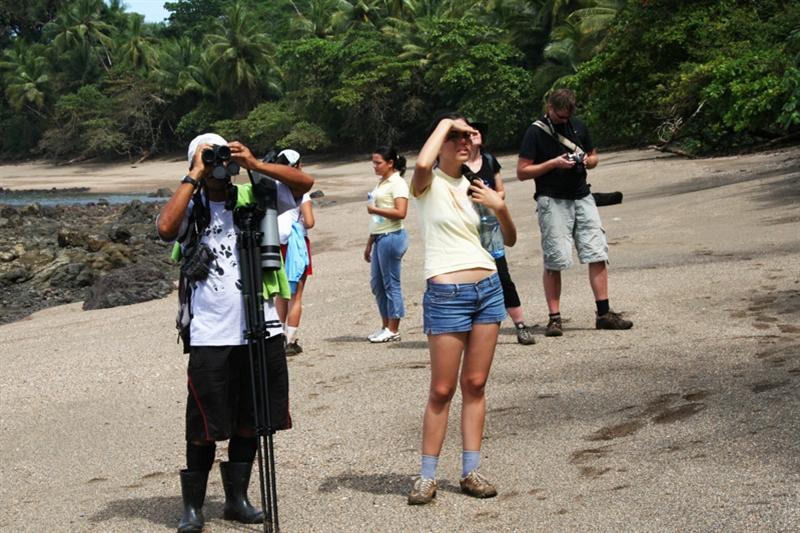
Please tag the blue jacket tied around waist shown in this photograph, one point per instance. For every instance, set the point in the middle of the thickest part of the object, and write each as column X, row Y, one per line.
column 296, row 256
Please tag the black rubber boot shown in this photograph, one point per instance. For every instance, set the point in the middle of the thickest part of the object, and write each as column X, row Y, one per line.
column 235, row 480
column 193, row 490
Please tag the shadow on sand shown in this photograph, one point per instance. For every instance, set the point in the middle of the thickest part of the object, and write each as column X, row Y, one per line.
column 161, row 510
column 398, row 484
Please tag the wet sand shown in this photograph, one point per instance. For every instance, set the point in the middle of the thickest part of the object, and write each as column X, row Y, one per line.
column 688, row 422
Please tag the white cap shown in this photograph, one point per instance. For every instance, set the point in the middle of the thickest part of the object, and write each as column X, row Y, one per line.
column 205, row 138
column 292, row 156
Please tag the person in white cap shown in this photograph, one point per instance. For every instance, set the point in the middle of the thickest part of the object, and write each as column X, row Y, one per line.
column 293, row 226
column 220, row 404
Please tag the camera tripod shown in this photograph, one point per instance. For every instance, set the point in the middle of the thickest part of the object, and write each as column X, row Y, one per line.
column 248, row 239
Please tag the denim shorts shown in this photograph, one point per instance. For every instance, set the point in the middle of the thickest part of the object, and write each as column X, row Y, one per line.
column 455, row 307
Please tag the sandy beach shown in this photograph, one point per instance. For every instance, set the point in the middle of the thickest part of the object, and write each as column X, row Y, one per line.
column 688, row 422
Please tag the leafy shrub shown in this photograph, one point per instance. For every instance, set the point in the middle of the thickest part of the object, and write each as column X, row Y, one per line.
column 19, row 134
column 481, row 78
column 230, row 129
column 373, row 85
column 199, row 120
column 311, row 69
column 265, row 124
column 306, row 137
column 100, row 137
column 84, row 125
column 705, row 75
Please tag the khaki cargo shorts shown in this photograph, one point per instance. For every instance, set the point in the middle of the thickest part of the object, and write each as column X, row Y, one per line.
column 563, row 222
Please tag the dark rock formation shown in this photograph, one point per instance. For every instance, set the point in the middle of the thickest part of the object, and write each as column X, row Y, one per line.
column 104, row 255
column 128, row 285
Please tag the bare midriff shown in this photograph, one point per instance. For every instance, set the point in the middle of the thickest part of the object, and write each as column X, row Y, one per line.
column 470, row 275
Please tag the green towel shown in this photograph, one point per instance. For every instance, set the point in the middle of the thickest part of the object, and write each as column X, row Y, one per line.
column 274, row 282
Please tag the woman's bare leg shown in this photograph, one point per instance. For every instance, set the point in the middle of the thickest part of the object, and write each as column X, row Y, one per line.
column 478, row 357
column 296, row 306
column 445, row 353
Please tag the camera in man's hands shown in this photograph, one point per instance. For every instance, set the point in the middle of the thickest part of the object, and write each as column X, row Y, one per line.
column 577, row 158
column 219, row 158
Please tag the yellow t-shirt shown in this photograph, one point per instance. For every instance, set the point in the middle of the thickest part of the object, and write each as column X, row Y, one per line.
column 450, row 227
column 383, row 195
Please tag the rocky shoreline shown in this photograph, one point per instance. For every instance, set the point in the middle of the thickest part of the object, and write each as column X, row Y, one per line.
column 104, row 255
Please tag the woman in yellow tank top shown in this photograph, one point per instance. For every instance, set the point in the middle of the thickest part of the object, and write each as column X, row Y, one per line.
column 463, row 303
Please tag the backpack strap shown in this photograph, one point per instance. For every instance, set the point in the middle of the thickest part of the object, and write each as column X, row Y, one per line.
column 569, row 145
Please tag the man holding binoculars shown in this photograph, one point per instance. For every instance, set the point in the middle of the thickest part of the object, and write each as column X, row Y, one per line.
column 199, row 216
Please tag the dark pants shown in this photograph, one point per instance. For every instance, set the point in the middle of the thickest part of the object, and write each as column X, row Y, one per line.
column 220, row 390
column 510, row 296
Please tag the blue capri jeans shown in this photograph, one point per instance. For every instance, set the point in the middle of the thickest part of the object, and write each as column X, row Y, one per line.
column 455, row 307
column 387, row 254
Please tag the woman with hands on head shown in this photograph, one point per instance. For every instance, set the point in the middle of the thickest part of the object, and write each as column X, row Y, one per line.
column 388, row 240
column 463, row 303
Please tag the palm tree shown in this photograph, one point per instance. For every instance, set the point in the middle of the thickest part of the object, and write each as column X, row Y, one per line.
column 115, row 13
column 180, row 68
column 421, row 22
column 525, row 24
column 582, row 33
column 317, row 17
column 564, row 45
column 368, row 14
column 240, row 54
column 80, row 25
column 134, row 47
column 25, row 77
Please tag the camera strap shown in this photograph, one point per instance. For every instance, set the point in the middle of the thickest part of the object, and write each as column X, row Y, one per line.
column 550, row 130
column 198, row 219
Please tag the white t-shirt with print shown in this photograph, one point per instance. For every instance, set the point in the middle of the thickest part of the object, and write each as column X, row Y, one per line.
column 218, row 316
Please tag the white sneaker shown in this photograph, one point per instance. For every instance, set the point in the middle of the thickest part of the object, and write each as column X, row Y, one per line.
column 386, row 336
column 375, row 334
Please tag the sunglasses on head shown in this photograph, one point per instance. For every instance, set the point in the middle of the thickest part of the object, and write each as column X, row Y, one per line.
column 457, row 135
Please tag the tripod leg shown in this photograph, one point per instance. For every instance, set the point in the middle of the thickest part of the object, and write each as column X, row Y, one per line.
column 267, row 467
column 251, row 273
column 254, row 313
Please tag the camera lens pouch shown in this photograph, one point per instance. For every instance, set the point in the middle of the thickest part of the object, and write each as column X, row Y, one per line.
column 197, row 262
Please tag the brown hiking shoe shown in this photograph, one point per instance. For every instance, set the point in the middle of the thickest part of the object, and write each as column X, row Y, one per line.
column 293, row 348
column 424, row 491
column 525, row 335
column 554, row 328
column 612, row 320
column 477, row 486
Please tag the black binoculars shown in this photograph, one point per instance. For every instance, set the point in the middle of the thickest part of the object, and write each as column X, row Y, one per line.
column 219, row 157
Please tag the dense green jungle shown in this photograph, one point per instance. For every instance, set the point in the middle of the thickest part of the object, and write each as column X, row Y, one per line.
column 86, row 79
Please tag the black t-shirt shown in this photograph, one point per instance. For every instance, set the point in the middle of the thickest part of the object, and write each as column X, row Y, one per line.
column 490, row 166
column 539, row 146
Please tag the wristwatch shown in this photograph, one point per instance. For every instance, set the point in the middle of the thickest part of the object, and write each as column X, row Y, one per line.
column 190, row 180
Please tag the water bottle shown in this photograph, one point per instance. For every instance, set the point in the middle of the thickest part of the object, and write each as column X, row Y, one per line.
column 377, row 219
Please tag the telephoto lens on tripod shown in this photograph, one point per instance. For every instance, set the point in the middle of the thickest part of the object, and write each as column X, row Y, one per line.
column 219, row 157
column 265, row 191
